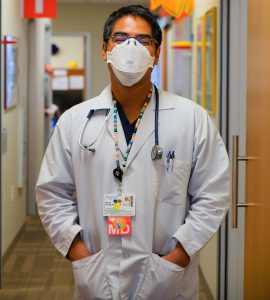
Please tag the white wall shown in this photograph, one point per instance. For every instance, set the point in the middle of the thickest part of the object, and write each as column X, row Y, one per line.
column 14, row 198
column 88, row 18
column 70, row 48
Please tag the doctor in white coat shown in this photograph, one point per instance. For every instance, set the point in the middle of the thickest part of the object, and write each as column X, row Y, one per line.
column 150, row 172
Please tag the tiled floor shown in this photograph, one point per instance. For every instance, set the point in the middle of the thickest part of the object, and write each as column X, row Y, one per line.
column 36, row 271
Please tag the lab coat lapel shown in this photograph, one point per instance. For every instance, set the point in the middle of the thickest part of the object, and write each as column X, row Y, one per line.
column 147, row 125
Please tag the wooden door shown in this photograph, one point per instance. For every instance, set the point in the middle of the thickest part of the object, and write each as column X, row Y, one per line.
column 257, row 220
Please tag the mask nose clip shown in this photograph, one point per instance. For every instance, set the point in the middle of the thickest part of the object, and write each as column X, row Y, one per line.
column 133, row 40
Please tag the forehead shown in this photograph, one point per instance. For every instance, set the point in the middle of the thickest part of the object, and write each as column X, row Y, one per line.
column 132, row 25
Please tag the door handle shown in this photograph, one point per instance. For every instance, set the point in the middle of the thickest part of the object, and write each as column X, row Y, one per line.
column 235, row 159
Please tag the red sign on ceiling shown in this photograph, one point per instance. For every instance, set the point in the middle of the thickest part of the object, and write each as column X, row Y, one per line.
column 39, row 9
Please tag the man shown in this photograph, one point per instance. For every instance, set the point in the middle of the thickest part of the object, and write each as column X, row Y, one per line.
column 151, row 189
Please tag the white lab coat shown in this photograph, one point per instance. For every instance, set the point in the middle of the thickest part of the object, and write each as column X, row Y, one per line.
column 185, row 205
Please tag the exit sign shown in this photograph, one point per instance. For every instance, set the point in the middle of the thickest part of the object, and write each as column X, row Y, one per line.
column 39, row 9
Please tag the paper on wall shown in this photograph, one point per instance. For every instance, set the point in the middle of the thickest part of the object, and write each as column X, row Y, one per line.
column 60, row 83
column 60, row 73
column 76, row 82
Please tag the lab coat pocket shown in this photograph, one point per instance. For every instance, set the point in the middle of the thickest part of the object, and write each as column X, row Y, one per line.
column 170, row 181
column 162, row 280
column 90, row 278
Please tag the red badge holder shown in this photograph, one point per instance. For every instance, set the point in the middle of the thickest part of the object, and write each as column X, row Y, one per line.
column 119, row 226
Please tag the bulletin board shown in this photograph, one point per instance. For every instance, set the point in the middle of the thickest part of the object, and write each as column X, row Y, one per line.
column 68, row 87
column 69, row 79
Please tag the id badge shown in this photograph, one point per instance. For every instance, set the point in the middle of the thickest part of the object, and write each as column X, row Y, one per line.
column 119, row 205
column 119, row 226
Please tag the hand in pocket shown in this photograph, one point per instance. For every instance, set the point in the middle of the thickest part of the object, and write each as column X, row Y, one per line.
column 178, row 256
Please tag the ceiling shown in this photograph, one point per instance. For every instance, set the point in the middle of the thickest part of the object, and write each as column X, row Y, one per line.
column 102, row 2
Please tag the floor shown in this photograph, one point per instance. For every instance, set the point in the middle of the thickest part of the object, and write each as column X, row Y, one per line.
column 36, row 271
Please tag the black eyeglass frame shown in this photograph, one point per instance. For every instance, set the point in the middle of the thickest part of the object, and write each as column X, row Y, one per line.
column 137, row 37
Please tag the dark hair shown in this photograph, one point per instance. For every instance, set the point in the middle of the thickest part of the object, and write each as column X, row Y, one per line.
column 134, row 10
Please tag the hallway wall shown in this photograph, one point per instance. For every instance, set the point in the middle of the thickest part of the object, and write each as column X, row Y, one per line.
column 209, row 255
column 88, row 18
column 13, row 197
column 71, row 49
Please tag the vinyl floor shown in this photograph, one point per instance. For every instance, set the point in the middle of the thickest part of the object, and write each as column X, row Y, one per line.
column 36, row 271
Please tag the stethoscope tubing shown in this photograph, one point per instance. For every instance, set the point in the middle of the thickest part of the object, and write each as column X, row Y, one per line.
column 92, row 112
column 89, row 116
column 156, row 115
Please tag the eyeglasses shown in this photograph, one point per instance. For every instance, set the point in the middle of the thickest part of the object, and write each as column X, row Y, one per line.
column 144, row 39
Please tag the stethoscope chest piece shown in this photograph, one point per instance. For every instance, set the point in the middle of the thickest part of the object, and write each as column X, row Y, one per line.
column 157, row 152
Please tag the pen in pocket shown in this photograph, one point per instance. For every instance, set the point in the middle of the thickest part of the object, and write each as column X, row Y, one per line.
column 170, row 161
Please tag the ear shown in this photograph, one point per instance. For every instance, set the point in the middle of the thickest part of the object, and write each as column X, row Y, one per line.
column 157, row 53
column 104, row 50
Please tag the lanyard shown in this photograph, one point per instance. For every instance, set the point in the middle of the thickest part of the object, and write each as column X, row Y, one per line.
column 118, row 172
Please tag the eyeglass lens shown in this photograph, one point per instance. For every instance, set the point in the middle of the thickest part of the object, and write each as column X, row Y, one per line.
column 119, row 38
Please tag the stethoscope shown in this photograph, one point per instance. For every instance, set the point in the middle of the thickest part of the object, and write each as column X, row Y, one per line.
column 157, row 151
column 89, row 117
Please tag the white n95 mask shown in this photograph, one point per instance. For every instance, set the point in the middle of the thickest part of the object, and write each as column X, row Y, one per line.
column 130, row 61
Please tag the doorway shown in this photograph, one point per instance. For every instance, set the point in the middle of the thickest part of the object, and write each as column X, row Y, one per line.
column 71, row 68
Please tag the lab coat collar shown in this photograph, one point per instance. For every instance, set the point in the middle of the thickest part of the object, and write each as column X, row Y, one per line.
column 104, row 100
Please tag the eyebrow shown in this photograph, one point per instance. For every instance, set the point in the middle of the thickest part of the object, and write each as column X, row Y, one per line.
column 120, row 32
